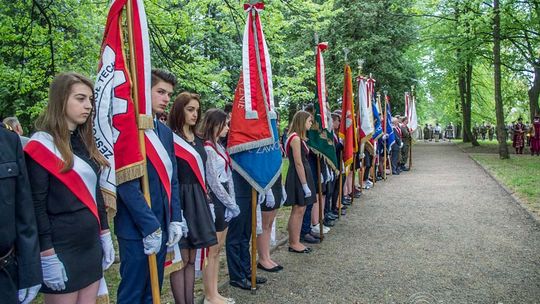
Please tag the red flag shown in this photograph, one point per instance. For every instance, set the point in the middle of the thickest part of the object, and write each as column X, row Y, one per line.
column 347, row 130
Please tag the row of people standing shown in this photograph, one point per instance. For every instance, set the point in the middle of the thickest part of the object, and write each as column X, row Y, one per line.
column 58, row 228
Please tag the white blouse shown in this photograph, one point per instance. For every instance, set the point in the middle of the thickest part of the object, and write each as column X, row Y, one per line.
column 218, row 172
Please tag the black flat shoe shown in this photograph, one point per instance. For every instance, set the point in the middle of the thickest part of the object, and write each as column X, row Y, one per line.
column 258, row 280
column 243, row 284
column 279, row 267
column 308, row 238
column 273, row 269
column 306, row 250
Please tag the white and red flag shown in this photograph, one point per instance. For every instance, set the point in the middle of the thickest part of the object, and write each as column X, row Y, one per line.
column 253, row 141
column 410, row 112
column 365, row 113
column 116, row 122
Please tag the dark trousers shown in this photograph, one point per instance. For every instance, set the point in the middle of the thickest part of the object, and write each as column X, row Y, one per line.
column 239, row 233
column 368, row 160
column 8, row 281
column 404, row 153
column 306, row 223
column 135, row 285
column 394, row 154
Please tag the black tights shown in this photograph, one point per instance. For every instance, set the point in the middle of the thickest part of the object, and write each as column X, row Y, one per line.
column 183, row 280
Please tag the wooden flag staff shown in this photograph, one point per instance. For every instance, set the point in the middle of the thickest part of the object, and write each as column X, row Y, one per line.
column 361, row 148
column 410, row 137
column 385, row 142
column 141, row 123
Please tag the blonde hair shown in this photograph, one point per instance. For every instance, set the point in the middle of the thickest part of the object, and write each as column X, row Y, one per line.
column 298, row 124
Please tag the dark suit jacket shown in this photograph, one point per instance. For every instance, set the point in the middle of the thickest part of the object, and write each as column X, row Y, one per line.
column 134, row 219
column 17, row 220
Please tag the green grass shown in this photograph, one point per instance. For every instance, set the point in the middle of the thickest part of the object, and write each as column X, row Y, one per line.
column 486, row 146
column 520, row 173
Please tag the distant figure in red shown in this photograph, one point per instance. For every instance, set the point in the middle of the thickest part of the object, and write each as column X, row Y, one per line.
column 519, row 136
column 535, row 136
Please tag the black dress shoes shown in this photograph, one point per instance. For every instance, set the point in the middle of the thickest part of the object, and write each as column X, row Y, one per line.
column 243, row 284
column 273, row 269
column 308, row 238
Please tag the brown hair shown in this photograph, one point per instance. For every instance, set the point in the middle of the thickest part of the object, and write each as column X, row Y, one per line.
column 212, row 118
column 177, row 117
column 53, row 121
column 298, row 124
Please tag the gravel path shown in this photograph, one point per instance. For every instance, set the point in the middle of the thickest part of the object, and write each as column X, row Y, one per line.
column 444, row 232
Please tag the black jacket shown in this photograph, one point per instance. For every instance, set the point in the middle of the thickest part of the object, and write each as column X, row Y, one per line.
column 17, row 220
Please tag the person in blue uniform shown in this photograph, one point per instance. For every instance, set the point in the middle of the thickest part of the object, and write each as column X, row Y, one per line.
column 74, row 236
column 144, row 230
column 20, row 267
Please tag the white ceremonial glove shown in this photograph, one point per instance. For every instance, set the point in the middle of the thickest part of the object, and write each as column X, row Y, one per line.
column 26, row 295
column 260, row 198
column 401, row 145
column 184, row 225
column 152, row 242
column 108, row 250
column 283, row 195
column 362, row 155
column 385, row 136
column 54, row 273
column 231, row 213
column 307, row 192
column 212, row 212
column 270, row 200
column 322, row 179
column 175, row 233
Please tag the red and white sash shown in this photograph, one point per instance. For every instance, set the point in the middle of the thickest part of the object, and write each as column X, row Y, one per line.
column 288, row 143
column 226, row 157
column 185, row 151
column 81, row 180
column 158, row 156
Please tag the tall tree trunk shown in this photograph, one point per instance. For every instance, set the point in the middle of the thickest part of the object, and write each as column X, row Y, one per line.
column 503, row 148
column 534, row 93
column 464, row 85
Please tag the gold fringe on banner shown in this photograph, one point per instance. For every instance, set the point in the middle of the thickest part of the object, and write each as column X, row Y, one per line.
column 110, row 203
column 172, row 267
column 145, row 122
column 129, row 173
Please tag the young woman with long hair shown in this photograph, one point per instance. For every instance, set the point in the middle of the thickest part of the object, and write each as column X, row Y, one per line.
column 219, row 179
column 299, row 184
column 191, row 157
column 64, row 165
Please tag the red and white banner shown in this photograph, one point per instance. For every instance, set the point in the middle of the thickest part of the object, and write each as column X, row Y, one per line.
column 185, row 151
column 410, row 110
column 326, row 118
column 254, row 98
column 81, row 180
column 115, row 127
column 365, row 113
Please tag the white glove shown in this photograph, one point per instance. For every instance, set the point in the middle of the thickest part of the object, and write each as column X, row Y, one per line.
column 54, row 273
column 260, row 198
column 283, row 195
column 307, row 191
column 230, row 213
column 175, row 233
column 385, row 136
column 108, row 250
column 183, row 224
column 213, row 212
column 322, row 178
column 270, row 200
column 152, row 242
column 26, row 295
column 401, row 145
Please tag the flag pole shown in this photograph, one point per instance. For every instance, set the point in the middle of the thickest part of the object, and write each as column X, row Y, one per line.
column 254, row 193
column 384, row 132
column 410, row 139
column 253, row 241
column 346, row 56
column 340, row 186
column 362, row 146
column 152, row 263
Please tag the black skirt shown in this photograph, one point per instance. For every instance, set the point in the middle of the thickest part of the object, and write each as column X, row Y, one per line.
column 76, row 242
column 202, row 232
